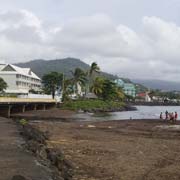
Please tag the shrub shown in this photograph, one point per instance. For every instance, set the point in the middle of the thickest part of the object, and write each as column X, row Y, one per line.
column 23, row 122
column 91, row 104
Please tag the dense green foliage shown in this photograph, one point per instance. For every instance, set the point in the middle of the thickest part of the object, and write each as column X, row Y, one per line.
column 91, row 104
column 97, row 86
column 51, row 82
column 107, row 90
column 3, row 85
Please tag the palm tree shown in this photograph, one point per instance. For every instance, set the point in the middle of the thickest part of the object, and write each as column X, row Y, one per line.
column 67, row 89
column 94, row 68
column 120, row 94
column 79, row 78
column 97, row 87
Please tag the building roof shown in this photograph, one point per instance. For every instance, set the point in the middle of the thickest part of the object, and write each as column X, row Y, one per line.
column 141, row 94
column 19, row 70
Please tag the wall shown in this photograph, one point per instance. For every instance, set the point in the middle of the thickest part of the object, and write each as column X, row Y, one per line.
column 36, row 96
column 10, row 79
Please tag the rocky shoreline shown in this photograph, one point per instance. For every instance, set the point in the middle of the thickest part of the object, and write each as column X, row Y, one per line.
column 112, row 149
column 57, row 114
column 53, row 158
column 118, row 109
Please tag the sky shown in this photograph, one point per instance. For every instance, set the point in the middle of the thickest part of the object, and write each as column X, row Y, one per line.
column 137, row 39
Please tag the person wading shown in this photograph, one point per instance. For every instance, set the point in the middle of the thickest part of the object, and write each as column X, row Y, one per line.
column 167, row 115
column 175, row 116
column 161, row 115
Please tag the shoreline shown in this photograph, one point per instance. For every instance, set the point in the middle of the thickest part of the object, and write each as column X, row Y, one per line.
column 63, row 114
column 152, row 104
column 121, row 109
column 36, row 143
column 97, row 150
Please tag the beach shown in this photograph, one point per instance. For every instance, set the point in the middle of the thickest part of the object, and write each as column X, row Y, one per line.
column 129, row 149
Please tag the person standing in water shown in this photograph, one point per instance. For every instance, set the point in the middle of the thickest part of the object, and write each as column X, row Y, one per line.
column 172, row 117
column 161, row 115
column 175, row 116
column 167, row 115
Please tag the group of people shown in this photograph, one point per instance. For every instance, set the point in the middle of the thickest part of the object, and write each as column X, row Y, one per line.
column 169, row 116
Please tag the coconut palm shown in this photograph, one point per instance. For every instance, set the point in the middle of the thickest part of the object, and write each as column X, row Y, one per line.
column 120, row 94
column 94, row 68
column 97, row 86
column 79, row 78
column 67, row 89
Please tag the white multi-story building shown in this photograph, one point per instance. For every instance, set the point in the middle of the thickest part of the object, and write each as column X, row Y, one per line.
column 19, row 80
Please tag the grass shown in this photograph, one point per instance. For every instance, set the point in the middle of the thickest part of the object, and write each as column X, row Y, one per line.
column 91, row 104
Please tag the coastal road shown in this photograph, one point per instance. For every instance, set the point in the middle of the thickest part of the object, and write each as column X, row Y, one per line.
column 14, row 160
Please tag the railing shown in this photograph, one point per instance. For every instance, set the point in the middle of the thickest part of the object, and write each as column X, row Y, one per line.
column 25, row 100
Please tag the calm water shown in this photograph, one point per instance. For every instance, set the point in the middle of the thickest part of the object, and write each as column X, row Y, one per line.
column 143, row 112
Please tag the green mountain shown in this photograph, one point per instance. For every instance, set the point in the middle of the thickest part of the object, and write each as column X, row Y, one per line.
column 41, row 67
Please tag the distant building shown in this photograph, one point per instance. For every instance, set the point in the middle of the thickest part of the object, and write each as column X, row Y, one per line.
column 19, row 80
column 143, row 97
column 119, row 82
column 128, row 88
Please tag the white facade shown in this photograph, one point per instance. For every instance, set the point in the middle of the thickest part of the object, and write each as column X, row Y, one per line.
column 147, row 97
column 19, row 80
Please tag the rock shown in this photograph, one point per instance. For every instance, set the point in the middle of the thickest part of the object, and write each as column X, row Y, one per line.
column 58, row 160
column 42, row 153
column 36, row 143
column 18, row 177
column 31, row 133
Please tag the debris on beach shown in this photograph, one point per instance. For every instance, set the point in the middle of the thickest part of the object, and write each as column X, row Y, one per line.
column 168, row 127
column 91, row 126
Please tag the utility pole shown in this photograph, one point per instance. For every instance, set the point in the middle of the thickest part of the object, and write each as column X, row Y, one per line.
column 63, row 85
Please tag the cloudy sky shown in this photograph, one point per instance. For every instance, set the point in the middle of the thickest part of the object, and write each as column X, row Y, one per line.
column 130, row 38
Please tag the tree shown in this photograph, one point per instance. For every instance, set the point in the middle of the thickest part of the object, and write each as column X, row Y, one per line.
column 3, row 85
column 109, row 90
column 67, row 90
column 97, row 86
column 94, row 68
column 120, row 94
column 33, row 91
column 52, row 82
column 79, row 78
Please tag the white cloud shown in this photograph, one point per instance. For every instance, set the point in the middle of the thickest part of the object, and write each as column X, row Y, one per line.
column 164, row 38
column 152, row 52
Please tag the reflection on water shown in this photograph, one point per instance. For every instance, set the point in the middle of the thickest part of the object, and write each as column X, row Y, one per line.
column 143, row 112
